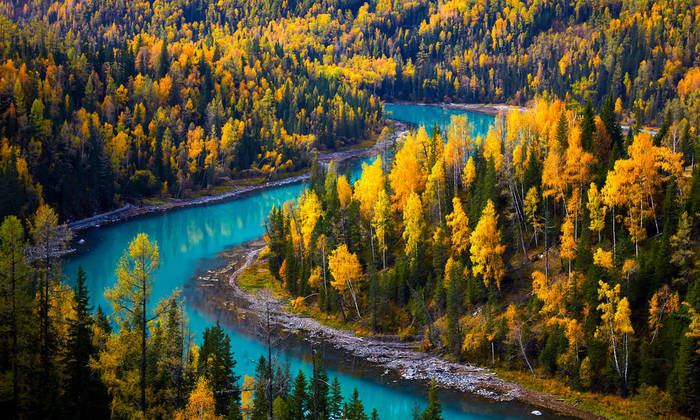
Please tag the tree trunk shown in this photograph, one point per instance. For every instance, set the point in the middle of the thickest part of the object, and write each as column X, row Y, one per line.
column 522, row 350
column 614, row 234
column 546, row 242
column 354, row 299
column 269, row 364
column 143, row 345
column 314, row 385
column 15, row 350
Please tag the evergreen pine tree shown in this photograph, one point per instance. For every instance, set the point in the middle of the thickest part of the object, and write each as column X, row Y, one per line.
column 562, row 130
column 217, row 364
column 454, row 302
column 261, row 403
column 335, row 409
column 16, row 311
column 163, row 60
column 434, row 410
column 588, row 127
column 612, row 126
column 353, row 409
column 298, row 398
column 234, row 412
column 86, row 397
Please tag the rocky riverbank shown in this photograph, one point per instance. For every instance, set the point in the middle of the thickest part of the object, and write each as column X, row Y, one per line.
column 488, row 109
column 131, row 210
column 382, row 352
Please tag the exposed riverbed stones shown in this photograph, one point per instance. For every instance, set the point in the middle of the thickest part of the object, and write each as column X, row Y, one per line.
column 386, row 353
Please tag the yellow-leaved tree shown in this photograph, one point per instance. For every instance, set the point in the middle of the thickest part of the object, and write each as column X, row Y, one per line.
column 663, row 302
column 380, row 221
column 468, row 173
column 515, row 332
column 407, row 175
column 130, row 298
column 247, row 391
column 310, row 211
column 492, row 146
column 596, row 209
column 457, row 148
column 532, row 198
column 347, row 273
column 366, row 191
column 568, row 243
column 413, row 224
column 633, row 183
column 694, row 327
column 458, row 223
column 368, row 186
column 577, row 174
column 344, row 197
column 200, row 405
column 434, row 194
column 486, row 248
column 344, row 192
column 615, row 325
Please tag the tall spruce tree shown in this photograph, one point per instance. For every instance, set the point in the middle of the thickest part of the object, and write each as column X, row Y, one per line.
column 16, row 311
column 217, row 364
column 434, row 410
column 298, row 398
column 86, row 397
column 353, row 409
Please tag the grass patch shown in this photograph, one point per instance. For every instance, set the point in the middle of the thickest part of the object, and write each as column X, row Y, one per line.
column 258, row 277
column 154, row 201
column 314, row 312
column 219, row 189
column 649, row 403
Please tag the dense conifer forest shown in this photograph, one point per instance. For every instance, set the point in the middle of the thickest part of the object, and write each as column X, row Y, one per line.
column 106, row 102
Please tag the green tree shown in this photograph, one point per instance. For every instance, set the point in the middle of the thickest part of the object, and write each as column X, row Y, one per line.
column 261, row 401
column 353, row 409
column 163, row 60
column 16, row 307
column 434, row 410
column 86, row 396
column 454, row 301
column 49, row 240
column 217, row 364
column 588, row 127
column 335, row 408
column 298, row 398
column 130, row 296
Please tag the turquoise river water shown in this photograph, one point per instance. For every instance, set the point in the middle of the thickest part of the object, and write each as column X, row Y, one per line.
column 189, row 240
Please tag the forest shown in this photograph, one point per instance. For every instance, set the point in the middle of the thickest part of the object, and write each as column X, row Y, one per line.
column 556, row 245
column 562, row 246
column 62, row 358
column 111, row 102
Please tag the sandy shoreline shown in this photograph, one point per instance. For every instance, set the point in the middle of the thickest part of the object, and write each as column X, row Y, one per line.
column 381, row 352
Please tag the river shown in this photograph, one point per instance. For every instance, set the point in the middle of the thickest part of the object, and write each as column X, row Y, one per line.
column 189, row 240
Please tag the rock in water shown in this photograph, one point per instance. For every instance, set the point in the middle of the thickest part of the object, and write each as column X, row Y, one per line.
column 536, row 413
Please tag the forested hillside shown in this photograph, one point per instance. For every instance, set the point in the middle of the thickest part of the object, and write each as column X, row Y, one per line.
column 561, row 249
column 104, row 102
column 556, row 245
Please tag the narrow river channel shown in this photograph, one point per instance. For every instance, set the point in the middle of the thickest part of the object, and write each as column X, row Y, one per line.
column 189, row 240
